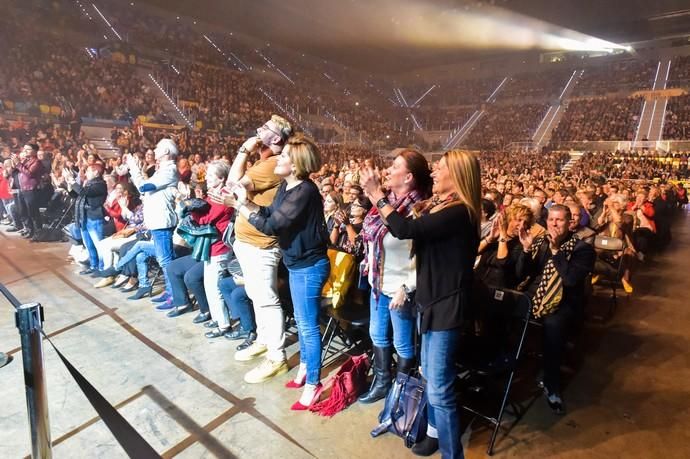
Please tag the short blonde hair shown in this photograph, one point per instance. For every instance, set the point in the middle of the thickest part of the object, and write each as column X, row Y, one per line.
column 283, row 125
column 520, row 211
column 304, row 155
column 533, row 205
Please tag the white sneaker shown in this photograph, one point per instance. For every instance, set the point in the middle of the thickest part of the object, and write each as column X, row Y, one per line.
column 251, row 352
column 266, row 370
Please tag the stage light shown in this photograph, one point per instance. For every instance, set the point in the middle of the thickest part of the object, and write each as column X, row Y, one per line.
column 422, row 24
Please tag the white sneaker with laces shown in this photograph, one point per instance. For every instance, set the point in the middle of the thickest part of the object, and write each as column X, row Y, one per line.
column 250, row 353
column 266, row 370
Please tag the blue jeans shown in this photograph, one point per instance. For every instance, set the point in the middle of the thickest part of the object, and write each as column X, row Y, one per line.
column 165, row 253
column 12, row 212
column 305, row 288
column 439, row 355
column 402, row 321
column 187, row 276
column 237, row 302
column 140, row 253
column 91, row 233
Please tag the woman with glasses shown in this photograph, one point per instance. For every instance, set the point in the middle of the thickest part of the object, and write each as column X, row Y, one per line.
column 347, row 226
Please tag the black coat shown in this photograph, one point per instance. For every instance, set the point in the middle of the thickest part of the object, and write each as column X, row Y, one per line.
column 446, row 245
column 90, row 199
column 573, row 271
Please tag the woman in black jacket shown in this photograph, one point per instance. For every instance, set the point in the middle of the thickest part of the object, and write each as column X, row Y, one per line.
column 446, row 240
column 89, row 214
column 296, row 216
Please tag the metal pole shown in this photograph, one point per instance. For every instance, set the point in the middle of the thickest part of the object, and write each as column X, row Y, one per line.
column 29, row 322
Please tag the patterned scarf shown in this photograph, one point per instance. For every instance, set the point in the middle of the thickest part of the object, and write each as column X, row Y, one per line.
column 374, row 230
column 550, row 289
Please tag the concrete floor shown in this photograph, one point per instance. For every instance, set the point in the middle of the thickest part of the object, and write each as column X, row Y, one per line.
column 629, row 397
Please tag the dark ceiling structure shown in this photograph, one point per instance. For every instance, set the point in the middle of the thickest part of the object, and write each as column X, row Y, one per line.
column 385, row 36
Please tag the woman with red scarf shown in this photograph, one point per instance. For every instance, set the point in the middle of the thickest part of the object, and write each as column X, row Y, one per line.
column 392, row 274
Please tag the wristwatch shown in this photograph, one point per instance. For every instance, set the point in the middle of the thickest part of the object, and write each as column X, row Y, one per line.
column 381, row 203
column 243, row 150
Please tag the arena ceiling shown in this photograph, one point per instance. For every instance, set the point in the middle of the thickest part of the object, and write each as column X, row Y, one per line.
column 386, row 36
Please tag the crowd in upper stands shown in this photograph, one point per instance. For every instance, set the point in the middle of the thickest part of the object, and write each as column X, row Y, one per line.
column 599, row 119
column 677, row 122
column 618, row 75
column 503, row 124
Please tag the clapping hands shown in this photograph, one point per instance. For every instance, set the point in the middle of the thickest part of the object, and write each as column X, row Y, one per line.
column 232, row 195
column 370, row 180
column 526, row 238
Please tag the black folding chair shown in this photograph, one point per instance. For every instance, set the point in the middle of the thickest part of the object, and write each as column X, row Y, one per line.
column 515, row 307
column 609, row 265
column 347, row 328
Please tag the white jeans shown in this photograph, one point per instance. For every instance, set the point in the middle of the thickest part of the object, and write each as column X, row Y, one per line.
column 260, row 271
column 212, row 271
column 106, row 249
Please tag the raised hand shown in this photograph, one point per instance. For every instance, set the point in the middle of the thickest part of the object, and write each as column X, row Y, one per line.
column 370, row 181
column 251, row 144
column 526, row 238
column 495, row 229
column 502, row 225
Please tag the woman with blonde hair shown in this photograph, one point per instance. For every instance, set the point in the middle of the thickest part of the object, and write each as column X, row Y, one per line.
column 296, row 217
column 501, row 250
column 446, row 240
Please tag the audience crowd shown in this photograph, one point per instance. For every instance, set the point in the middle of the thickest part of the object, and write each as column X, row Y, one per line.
column 503, row 124
column 599, row 119
column 211, row 212
column 615, row 76
column 159, row 206
column 677, row 121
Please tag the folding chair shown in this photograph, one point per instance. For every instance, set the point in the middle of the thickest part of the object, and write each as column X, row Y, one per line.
column 154, row 268
column 610, row 274
column 348, row 323
column 517, row 309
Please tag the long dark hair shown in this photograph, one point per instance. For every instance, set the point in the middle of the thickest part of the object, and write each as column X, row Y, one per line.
column 419, row 168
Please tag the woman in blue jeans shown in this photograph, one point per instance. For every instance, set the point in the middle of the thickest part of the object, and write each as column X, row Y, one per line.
column 187, row 276
column 140, row 253
column 89, row 214
column 446, row 237
column 296, row 216
column 392, row 274
column 238, row 305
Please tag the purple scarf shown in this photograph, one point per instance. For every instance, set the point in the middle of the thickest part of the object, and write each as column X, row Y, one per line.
column 374, row 230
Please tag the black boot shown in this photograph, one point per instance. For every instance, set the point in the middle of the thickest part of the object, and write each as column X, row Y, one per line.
column 382, row 376
column 426, row 447
column 406, row 366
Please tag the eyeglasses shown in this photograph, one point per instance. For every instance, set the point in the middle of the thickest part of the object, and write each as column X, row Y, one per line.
column 268, row 128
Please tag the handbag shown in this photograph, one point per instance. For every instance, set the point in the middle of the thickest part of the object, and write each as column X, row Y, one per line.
column 404, row 411
column 348, row 383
